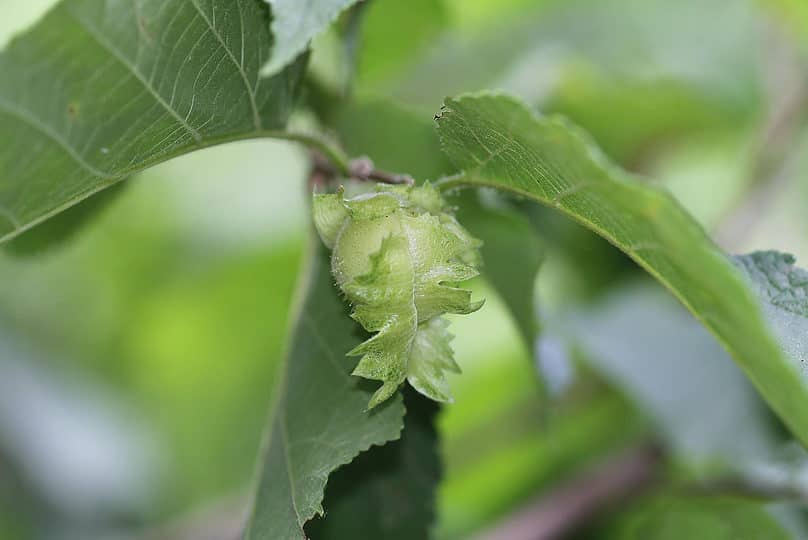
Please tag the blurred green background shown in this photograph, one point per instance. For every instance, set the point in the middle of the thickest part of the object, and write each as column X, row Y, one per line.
column 138, row 358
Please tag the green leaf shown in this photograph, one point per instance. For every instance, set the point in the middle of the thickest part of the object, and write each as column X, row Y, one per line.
column 538, row 51
column 394, row 33
column 295, row 25
column 792, row 13
column 700, row 518
column 650, row 348
column 65, row 225
column 320, row 421
column 500, row 143
column 396, row 138
column 507, row 237
column 100, row 90
column 388, row 492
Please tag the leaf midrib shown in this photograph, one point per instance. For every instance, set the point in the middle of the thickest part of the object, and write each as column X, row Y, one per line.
column 97, row 36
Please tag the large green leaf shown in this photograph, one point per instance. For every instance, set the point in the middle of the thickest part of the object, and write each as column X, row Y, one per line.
column 320, row 421
column 101, row 89
column 388, row 492
column 64, row 225
column 500, row 143
column 294, row 24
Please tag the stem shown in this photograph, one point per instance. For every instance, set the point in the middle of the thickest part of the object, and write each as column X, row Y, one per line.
column 329, row 161
column 454, row 181
column 338, row 160
column 325, row 170
column 363, row 169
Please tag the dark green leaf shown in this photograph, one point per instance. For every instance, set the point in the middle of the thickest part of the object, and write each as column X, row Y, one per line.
column 320, row 421
column 387, row 492
column 64, row 225
column 500, row 143
column 97, row 91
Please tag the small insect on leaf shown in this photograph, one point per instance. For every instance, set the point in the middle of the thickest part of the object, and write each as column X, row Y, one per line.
column 398, row 254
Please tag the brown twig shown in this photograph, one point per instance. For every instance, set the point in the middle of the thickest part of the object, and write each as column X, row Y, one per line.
column 323, row 172
column 362, row 168
column 573, row 504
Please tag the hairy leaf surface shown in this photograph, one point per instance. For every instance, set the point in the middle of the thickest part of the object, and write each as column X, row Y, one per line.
column 320, row 421
column 500, row 143
column 99, row 90
column 783, row 290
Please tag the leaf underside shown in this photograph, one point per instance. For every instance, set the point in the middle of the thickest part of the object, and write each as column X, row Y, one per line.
column 498, row 142
column 101, row 89
column 293, row 28
column 783, row 290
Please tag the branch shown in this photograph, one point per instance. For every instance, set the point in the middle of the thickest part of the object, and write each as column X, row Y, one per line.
column 324, row 172
column 363, row 169
column 576, row 502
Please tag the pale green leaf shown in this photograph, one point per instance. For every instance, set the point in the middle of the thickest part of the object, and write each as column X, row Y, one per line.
column 395, row 33
column 99, row 90
column 500, row 143
column 783, row 291
column 700, row 518
column 294, row 24
column 670, row 366
column 320, row 421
